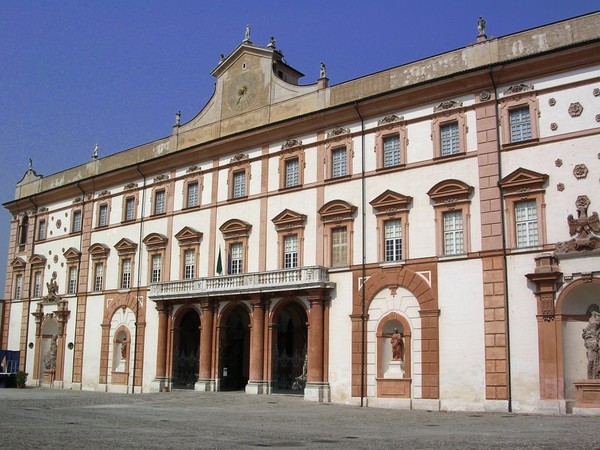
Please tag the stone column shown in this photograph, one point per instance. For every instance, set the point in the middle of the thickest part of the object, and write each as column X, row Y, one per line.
column 256, row 384
column 161, row 347
column 205, row 382
column 317, row 389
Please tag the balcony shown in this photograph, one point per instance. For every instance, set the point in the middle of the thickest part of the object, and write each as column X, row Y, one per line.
column 246, row 283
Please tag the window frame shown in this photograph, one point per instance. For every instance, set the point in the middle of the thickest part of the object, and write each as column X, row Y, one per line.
column 155, row 201
column 42, row 225
column 445, row 114
column 286, row 223
column 37, row 284
column 156, row 244
column 294, row 255
column 387, row 206
column 126, row 200
column 189, row 240
column 523, row 185
column 102, row 206
column 527, row 222
column 239, row 163
column 453, row 232
column 18, row 288
column 76, row 213
column 515, row 98
column 99, row 257
column 338, row 139
column 337, row 214
column 391, row 125
column 451, row 195
column 236, row 231
column 72, row 268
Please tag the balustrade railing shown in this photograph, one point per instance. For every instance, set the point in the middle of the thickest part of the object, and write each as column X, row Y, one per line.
column 273, row 280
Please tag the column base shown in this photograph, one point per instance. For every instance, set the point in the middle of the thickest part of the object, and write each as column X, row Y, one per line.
column 257, row 387
column 317, row 392
column 205, row 385
column 159, row 385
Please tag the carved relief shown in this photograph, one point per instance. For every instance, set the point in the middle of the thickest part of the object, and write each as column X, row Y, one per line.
column 591, row 337
column 485, row 96
column 575, row 109
column 192, row 169
column 580, row 171
column 516, row 88
column 558, row 162
column 338, row 132
column 449, row 104
column 554, row 126
column 560, row 187
column 392, row 118
column 596, row 92
column 239, row 157
column 597, row 117
column 547, row 306
column 291, row 143
column 584, row 228
column 552, row 102
column 129, row 186
column 162, row 177
column 103, row 193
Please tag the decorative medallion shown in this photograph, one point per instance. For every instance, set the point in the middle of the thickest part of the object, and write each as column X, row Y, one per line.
column 485, row 96
column 558, row 162
column 58, row 223
column 575, row 109
column 560, row 187
column 597, row 117
column 553, row 126
column 585, row 229
column 580, row 171
column 552, row 101
column 596, row 92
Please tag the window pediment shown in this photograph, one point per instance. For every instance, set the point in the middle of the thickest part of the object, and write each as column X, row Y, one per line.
column 337, row 210
column 155, row 241
column 125, row 246
column 234, row 228
column 289, row 219
column 188, row 235
column 37, row 260
column 18, row 263
column 72, row 254
column 523, row 179
column 390, row 201
column 99, row 250
column 447, row 190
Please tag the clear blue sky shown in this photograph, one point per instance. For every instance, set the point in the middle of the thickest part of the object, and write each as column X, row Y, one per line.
column 77, row 73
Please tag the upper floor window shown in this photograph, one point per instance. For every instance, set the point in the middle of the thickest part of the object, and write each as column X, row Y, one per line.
column 526, row 222
column 156, row 268
column 103, row 215
column 453, row 232
column 37, row 284
column 189, row 270
column 236, row 258
column 18, row 286
column 129, row 209
column 520, row 124
column 98, row 277
column 393, row 240
column 292, row 172
column 290, row 251
column 126, row 273
column 338, row 219
column 391, row 150
column 160, row 202
column 42, row 227
column 76, row 224
column 339, row 247
column 239, row 184
column 339, row 162
column 450, row 143
column 72, row 286
column 23, row 231
column 192, row 197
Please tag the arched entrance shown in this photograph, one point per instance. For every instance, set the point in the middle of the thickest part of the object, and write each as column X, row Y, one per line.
column 289, row 349
column 235, row 350
column 186, row 351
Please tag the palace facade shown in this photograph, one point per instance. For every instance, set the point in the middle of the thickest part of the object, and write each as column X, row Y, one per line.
column 276, row 241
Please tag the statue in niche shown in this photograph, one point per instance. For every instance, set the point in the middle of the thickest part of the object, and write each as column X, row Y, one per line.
column 124, row 348
column 397, row 346
column 50, row 356
column 591, row 336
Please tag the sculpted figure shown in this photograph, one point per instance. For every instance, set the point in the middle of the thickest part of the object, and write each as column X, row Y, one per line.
column 397, row 345
column 590, row 335
column 323, row 71
column 124, row 349
column 481, row 26
column 50, row 356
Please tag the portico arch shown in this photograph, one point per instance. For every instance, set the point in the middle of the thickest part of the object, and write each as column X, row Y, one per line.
column 234, row 347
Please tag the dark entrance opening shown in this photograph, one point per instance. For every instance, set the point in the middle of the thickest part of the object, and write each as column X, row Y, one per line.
column 235, row 351
column 186, row 354
column 289, row 350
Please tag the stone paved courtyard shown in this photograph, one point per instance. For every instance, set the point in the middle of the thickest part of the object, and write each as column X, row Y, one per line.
column 47, row 418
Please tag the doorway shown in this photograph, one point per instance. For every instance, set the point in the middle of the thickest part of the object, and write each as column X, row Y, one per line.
column 186, row 354
column 289, row 350
column 235, row 351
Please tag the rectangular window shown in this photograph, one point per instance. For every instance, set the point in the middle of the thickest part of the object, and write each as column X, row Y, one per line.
column 526, row 223
column 190, row 264
column 130, row 208
column 339, row 162
column 156, row 268
column 72, row 288
column 18, row 286
column 37, row 285
column 192, row 194
column 159, row 202
column 339, row 247
column 42, row 230
column 103, row 215
column 449, row 139
column 453, row 233
column 292, row 172
column 98, row 277
column 237, row 258
column 520, row 125
column 391, row 151
column 290, row 252
column 393, row 240
column 126, row 274
column 76, row 226
column 239, row 184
